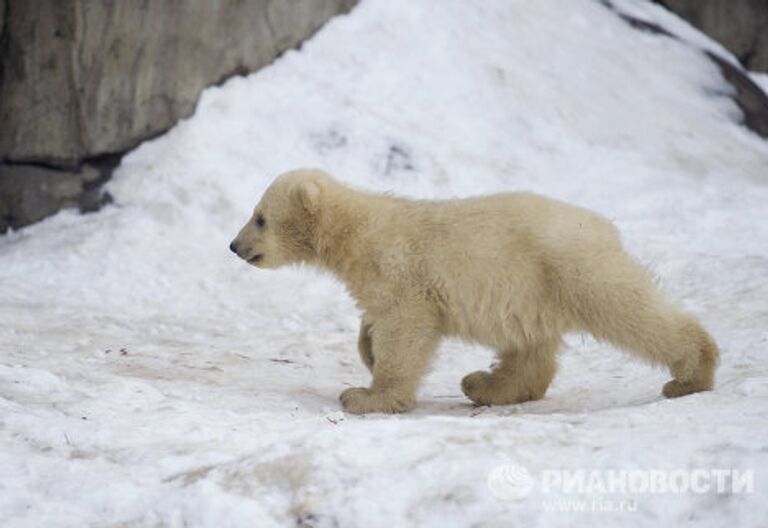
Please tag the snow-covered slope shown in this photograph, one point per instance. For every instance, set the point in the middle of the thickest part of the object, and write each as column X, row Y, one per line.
column 149, row 378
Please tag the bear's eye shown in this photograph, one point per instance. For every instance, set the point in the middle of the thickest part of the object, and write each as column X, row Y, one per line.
column 260, row 221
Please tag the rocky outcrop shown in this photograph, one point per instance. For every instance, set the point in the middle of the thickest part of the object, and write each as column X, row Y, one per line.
column 740, row 25
column 85, row 79
column 31, row 192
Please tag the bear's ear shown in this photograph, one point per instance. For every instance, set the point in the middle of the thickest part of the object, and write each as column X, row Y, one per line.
column 308, row 193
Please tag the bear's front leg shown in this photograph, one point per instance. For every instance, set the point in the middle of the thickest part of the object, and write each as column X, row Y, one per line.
column 402, row 345
column 365, row 345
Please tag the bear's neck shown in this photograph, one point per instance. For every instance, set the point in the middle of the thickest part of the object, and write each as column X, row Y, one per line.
column 341, row 246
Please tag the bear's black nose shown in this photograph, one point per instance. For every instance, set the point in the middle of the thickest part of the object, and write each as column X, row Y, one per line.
column 233, row 247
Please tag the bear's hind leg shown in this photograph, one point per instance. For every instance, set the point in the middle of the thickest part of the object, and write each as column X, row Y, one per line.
column 521, row 375
column 626, row 309
column 695, row 372
column 676, row 340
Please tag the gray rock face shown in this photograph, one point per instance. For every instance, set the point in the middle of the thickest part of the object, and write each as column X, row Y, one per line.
column 740, row 25
column 2, row 18
column 83, row 78
column 29, row 193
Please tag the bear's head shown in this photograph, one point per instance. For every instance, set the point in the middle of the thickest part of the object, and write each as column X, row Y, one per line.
column 283, row 226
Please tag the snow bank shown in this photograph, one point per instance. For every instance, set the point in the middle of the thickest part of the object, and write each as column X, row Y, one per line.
column 149, row 378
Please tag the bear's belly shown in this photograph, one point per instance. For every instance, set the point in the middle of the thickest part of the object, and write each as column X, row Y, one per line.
column 498, row 317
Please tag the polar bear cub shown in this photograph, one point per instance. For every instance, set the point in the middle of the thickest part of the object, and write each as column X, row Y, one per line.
column 513, row 272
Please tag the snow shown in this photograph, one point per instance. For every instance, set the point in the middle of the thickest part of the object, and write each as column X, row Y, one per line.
column 149, row 378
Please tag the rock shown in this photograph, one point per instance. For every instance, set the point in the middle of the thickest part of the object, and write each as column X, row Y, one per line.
column 29, row 193
column 740, row 25
column 81, row 79
column 2, row 18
